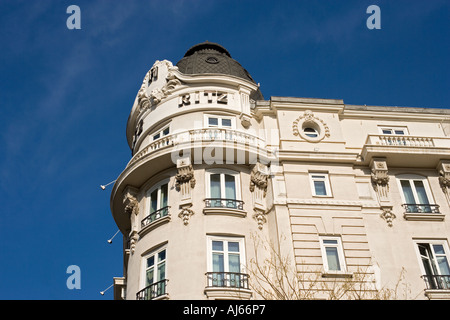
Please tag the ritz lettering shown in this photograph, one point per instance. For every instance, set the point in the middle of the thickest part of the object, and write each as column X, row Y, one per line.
column 207, row 96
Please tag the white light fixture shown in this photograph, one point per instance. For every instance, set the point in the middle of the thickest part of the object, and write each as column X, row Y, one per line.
column 104, row 186
column 110, row 240
column 103, row 292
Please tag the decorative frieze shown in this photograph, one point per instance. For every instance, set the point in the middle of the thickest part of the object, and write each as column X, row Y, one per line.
column 160, row 93
column 146, row 100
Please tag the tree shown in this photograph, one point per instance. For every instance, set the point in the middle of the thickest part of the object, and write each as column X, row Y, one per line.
column 275, row 277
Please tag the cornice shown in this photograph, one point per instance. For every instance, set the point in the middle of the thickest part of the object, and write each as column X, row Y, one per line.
column 395, row 113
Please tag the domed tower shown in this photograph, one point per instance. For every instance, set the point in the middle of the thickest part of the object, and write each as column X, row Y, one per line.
column 194, row 193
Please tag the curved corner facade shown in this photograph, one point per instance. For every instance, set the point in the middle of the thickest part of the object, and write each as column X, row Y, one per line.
column 218, row 174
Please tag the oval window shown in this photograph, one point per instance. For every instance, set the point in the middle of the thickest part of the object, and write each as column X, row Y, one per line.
column 311, row 132
column 212, row 60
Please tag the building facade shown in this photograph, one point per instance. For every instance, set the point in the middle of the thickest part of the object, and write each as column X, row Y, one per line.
column 222, row 185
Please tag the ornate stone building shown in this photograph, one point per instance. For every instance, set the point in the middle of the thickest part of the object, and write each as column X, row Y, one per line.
column 221, row 181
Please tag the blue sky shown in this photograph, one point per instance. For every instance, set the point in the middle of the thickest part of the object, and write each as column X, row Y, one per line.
column 65, row 96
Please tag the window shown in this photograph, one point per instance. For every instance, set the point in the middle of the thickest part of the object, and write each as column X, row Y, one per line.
column 320, row 184
column 226, row 262
column 332, row 254
column 154, row 268
column 311, row 132
column 394, row 130
column 223, row 189
column 416, row 194
column 434, row 256
column 158, row 199
column 161, row 133
column 213, row 121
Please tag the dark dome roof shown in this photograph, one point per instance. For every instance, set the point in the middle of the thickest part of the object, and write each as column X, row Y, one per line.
column 209, row 57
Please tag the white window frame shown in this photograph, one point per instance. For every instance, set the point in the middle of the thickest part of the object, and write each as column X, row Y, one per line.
column 314, row 176
column 340, row 252
column 155, row 268
column 311, row 134
column 393, row 130
column 158, row 199
column 225, row 240
column 431, row 242
column 411, row 178
column 222, row 173
column 160, row 132
column 219, row 121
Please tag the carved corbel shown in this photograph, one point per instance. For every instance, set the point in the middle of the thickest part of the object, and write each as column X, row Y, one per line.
column 388, row 215
column 132, row 209
column 133, row 240
column 380, row 178
column 184, row 183
column 258, row 178
column 185, row 214
column 444, row 177
column 260, row 218
column 130, row 201
column 184, row 179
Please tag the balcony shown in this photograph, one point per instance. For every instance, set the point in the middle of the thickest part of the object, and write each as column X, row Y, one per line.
column 206, row 145
column 423, row 212
column 224, row 206
column 227, row 285
column 155, row 291
column 227, row 279
column 155, row 219
column 212, row 137
column 420, row 151
column 437, row 287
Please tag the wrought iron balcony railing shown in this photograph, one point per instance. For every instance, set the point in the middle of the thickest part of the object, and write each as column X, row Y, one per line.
column 155, row 216
column 227, row 280
column 421, row 208
column 153, row 291
column 224, row 203
column 437, row 282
